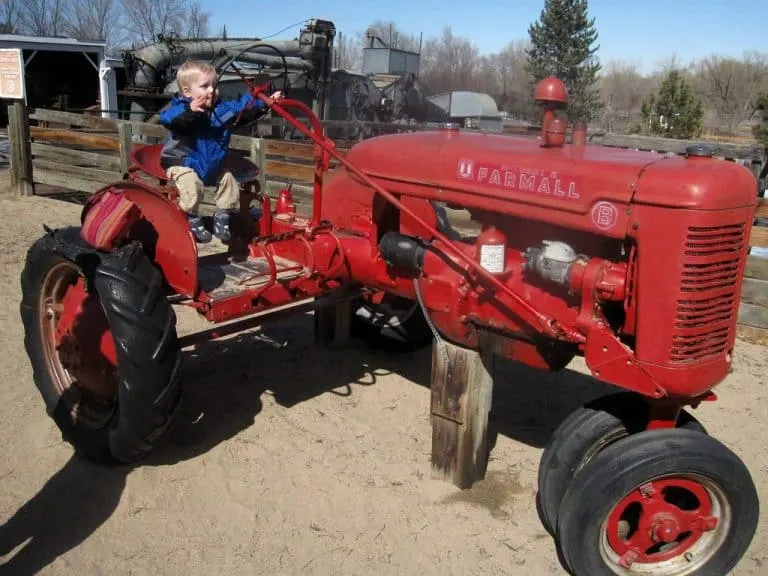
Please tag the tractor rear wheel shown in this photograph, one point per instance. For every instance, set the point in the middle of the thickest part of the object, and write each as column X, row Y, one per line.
column 101, row 338
column 582, row 435
column 667, row 502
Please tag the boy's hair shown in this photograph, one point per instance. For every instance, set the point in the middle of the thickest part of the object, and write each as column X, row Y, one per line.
column 190, row 70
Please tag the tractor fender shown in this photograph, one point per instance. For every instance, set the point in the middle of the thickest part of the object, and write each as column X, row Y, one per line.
column 163, row 232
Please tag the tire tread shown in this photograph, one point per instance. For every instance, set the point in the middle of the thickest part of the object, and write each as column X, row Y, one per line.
column 143, row 325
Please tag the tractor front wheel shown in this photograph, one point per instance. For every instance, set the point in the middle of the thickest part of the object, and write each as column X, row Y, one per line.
column 668, row 502
column 582, row 435
column 101, row 338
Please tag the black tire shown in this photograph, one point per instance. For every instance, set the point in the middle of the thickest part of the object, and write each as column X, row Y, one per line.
column 408, row 336
column 624, row 467
column 143, row 326
column 581, row 436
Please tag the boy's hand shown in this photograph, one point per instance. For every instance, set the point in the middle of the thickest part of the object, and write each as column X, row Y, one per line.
column 198, row 104
column 278, row 95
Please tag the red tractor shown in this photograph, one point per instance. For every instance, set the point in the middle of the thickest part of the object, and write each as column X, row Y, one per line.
column 632, row 260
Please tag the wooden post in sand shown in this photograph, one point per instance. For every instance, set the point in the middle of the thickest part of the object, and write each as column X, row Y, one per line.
column 462, row 389
column 12, row 88
column 333, row 317
column 21, row 152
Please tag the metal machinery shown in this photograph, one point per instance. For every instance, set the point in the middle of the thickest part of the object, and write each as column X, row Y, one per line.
column 302, row 68
column 631, row 260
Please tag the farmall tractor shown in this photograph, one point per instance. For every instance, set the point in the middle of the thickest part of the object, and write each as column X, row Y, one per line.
column 632, row 260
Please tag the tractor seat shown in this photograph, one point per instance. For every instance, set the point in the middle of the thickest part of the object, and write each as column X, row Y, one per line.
column 146, row 158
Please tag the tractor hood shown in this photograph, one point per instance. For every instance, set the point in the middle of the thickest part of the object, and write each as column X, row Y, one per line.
column 508, row 168
column 513, row 174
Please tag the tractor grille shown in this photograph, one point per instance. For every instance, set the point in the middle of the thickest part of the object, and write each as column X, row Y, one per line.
column 708, row 283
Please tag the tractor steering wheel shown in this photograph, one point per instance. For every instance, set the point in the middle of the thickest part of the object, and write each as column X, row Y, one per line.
column 253, row 87
column 279, row 107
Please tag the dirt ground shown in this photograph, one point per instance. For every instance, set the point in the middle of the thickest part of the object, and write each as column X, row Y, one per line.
column 290, row 459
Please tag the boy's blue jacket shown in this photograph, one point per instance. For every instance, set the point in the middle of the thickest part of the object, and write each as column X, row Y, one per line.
column 200, row 140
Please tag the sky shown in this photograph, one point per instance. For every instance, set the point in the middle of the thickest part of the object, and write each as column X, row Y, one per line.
column 645, row 32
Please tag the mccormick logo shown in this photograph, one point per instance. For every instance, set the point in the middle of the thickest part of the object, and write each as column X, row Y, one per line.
column 544, row 182
column 465, row 169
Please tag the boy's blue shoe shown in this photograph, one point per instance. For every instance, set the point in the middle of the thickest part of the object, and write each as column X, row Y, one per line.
column 221, row 226
column 199, row 231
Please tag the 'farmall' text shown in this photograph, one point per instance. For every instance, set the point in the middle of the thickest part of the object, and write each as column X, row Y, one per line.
column 518, row 179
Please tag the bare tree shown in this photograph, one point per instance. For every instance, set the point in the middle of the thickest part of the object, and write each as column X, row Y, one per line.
column 198, row 21
column 42, row 17
column 449, row 63
column 348, row 53
column 146, row 19
column 96, row 20
column 668, row 64
column 730, row 86
column 487, row 75
column 516, row 96
column 623, row 89
column 9, row 16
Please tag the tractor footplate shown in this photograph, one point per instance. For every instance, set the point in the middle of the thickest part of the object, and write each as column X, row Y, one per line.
column 220, row 278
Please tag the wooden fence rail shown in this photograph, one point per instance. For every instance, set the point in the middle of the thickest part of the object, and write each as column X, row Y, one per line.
column 81, row 153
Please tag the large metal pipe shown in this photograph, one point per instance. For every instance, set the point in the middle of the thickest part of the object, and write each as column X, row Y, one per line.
column 156, row 58
column 160, row 56
column 293, row 62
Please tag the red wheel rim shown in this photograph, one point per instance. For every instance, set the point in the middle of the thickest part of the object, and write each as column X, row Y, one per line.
column 666, row 526
column 77, row 345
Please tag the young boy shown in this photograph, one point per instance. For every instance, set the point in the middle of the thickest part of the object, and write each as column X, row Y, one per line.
column 195, row 150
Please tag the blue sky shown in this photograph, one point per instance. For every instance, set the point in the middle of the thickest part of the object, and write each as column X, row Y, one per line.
column 645, row 31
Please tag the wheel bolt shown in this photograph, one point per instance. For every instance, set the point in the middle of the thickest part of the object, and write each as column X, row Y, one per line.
column 706, row 523
column 647, row 490
column 629, row 557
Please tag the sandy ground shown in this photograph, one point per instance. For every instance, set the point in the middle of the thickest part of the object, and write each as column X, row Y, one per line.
column 289, row 459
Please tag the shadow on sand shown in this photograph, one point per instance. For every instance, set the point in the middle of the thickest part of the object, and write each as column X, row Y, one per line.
column 528, row 406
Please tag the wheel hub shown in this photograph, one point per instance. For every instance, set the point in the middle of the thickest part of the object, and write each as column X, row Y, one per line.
column 665, row 530
column 659, row 521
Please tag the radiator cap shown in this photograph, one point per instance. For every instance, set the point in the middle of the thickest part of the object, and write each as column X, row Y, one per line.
column 699, row 151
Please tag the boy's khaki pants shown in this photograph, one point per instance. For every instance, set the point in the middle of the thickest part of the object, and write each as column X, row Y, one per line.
column 190, row 189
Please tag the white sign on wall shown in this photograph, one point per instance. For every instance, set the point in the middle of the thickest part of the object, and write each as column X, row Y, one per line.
column 11, row 74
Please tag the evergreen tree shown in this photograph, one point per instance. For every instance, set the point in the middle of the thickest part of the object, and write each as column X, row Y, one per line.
column 562, row 46
column 675, row 112
column 760, row 131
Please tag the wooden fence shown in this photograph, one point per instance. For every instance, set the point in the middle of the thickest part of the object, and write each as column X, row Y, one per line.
column 72, row 154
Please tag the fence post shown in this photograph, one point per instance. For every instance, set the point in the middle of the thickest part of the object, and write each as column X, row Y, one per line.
column 125, row 136
column 258, row 155
column 21, row 150
column 760, row 168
